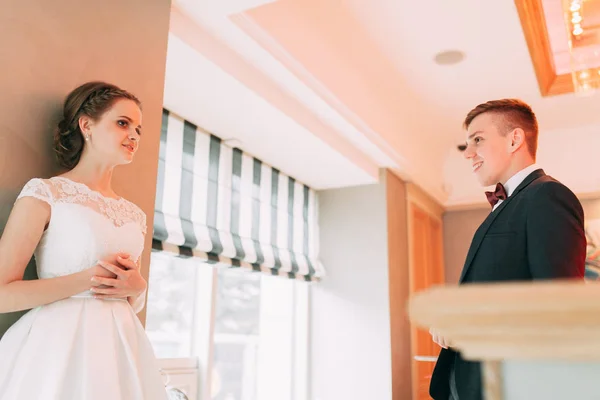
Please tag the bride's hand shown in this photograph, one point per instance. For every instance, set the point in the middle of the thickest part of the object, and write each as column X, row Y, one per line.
column 97, row 270
column 127, row 283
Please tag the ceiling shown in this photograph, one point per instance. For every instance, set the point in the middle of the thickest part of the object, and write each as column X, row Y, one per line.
column 330, row 90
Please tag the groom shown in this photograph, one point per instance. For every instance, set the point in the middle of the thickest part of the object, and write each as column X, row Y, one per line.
column 534, row 231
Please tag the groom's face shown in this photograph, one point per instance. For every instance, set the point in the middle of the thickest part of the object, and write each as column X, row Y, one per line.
column 488, row 149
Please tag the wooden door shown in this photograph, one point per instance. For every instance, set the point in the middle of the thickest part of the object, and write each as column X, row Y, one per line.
column 426, row 269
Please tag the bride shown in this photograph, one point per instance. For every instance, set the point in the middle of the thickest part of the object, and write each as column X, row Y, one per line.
column 81, row 339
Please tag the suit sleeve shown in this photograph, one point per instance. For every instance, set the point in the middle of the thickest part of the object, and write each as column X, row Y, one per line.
column 556, row 243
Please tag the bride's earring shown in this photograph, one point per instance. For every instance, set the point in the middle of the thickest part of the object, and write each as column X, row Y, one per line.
column 87, row 137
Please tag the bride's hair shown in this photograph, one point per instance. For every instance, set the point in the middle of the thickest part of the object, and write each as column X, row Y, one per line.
column 92, row 99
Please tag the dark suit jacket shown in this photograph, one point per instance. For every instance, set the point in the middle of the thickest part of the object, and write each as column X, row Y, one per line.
column 537, row 233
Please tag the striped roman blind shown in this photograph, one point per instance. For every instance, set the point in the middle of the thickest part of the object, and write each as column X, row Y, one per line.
column 225, row 207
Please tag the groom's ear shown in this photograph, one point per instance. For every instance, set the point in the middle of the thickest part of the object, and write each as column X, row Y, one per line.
column 517, row 139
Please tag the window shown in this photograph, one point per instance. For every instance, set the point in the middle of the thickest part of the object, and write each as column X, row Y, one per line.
column 248, row 330
column 170, row 308
column 236, row 335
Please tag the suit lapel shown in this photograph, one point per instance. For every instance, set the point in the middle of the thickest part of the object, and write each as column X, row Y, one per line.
column 487, row 223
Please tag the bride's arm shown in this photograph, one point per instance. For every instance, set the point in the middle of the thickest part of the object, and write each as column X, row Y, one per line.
column 22, row 233
column 138, row 302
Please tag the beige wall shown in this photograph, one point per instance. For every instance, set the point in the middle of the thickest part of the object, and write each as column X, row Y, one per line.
column 48, row 48
column 460, row 226
column 591, row 208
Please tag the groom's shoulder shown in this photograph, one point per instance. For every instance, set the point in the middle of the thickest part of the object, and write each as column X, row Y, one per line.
column 546, row 187
column 547, row 182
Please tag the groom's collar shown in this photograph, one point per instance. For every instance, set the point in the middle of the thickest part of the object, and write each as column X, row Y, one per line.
column 513, row 183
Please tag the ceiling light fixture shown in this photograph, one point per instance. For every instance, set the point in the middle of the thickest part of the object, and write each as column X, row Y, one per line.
column 585, row 65
column 574, row 15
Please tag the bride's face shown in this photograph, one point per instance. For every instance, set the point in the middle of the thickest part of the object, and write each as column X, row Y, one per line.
column 115, row 137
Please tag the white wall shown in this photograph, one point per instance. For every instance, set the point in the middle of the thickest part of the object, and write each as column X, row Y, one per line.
column 350, row 355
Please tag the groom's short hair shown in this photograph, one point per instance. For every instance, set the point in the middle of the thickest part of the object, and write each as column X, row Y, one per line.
column 515, row 114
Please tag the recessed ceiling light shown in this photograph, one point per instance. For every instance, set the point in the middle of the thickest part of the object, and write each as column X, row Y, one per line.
column 449, row 57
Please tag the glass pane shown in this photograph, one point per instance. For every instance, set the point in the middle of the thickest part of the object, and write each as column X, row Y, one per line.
column 237, row 317
column 171, row 300
column 238, row 302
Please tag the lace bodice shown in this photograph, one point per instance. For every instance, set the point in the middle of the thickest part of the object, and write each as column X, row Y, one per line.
column 84, row 227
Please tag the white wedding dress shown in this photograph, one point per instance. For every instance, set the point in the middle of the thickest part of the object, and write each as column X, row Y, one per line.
column 81, row 348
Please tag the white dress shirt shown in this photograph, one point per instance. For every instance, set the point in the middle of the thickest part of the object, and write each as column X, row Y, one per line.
column 515, row 181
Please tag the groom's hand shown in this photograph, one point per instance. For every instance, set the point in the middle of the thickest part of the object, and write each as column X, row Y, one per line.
column 439, row 339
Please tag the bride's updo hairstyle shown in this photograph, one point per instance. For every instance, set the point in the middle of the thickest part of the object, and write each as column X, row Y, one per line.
column 92, row 99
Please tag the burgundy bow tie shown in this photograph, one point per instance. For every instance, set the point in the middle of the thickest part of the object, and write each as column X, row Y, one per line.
column 498, row 194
